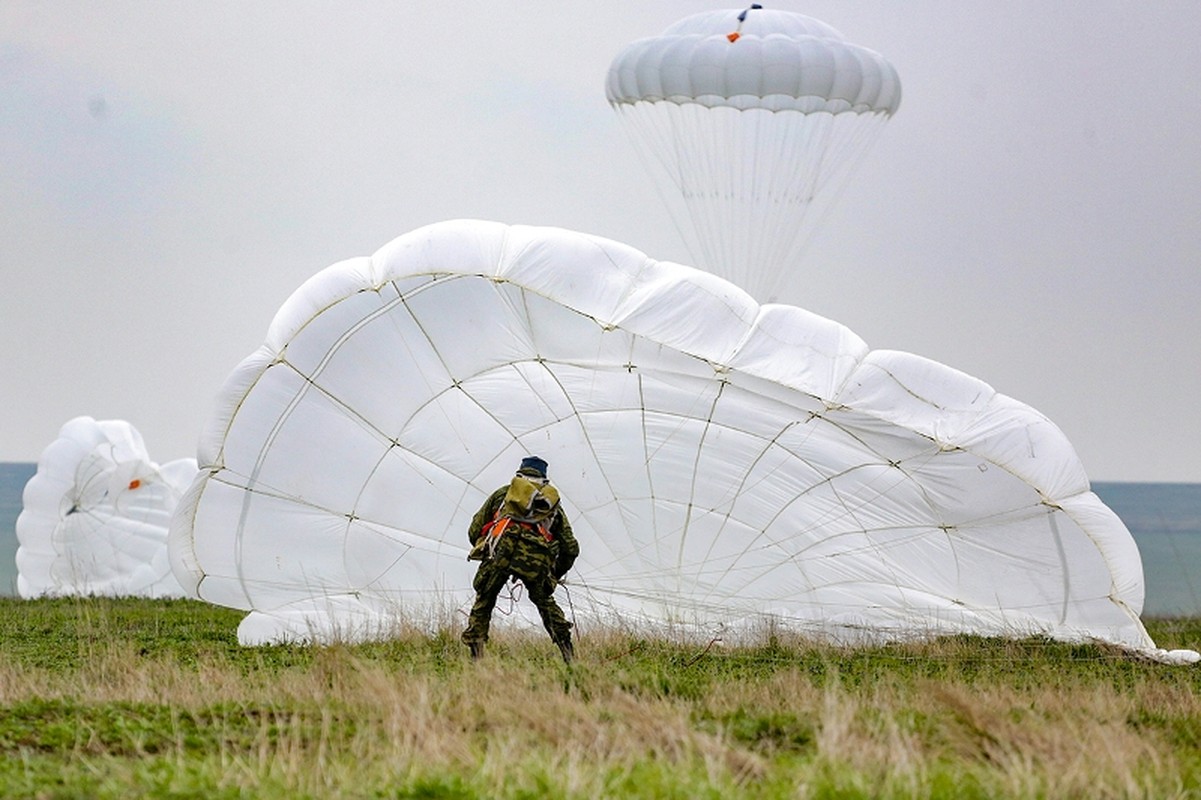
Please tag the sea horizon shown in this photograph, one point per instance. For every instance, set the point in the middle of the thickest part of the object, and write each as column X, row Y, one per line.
column 1163, row 517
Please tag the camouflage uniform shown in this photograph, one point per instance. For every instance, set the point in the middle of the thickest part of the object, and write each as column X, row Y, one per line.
column 522, row 553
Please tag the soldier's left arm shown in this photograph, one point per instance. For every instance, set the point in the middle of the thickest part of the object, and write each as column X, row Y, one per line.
column 569, row 548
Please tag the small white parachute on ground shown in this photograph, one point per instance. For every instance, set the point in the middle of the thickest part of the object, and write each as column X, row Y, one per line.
column 725, row 465
column 750, row 122
column 95, row 515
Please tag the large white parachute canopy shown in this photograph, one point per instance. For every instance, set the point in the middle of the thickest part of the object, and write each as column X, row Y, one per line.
column 95, row 515
column 724, row 464
column 752, row 121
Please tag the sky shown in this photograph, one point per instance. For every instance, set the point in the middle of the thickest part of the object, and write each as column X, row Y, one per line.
column 171, row 172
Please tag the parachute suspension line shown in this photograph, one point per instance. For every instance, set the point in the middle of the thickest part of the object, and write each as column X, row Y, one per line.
column 880, row 550
column 752, row 184
column 1063, row 561
column 715, row 640
column 737, row 34
column 772, row 147
column 650, row 477
column 801, row 156
column 570, row 606
column 513, row 590
column 579, row 419
column 692, row 489
column 658, row 150
column 741, row 244
column 743, row 485
column 732, row 160
column 847, row 137
column 690, row 148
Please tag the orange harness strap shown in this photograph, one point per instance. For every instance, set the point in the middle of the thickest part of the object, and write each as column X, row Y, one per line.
column 500, row 524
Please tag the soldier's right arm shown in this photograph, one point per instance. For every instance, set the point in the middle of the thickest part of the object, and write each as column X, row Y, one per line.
column 485, row 514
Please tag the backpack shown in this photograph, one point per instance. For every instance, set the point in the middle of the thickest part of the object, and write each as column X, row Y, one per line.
column 529, row 504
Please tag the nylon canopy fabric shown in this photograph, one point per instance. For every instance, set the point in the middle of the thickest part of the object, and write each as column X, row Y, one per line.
column 95, row 514
column 724, row 464
column 751, row 139
column 781, row 61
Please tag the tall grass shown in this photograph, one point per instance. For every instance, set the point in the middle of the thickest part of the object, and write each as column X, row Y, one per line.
column 119, row 698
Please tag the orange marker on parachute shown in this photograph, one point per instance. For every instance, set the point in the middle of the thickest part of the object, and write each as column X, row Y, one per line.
column 737, row 34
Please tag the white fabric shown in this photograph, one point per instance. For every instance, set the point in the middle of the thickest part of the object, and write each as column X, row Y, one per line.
column 95, row 514
column 723, row 463
column 780, row 61
column 751, row 140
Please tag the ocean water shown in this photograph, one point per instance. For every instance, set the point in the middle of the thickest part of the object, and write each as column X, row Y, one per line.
column 13, row 478
column 1164, row 518
column 1165, row 521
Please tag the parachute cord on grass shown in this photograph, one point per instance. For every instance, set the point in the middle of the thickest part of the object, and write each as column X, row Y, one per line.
column 514, row 596
column 714, row 641
column 570, row 606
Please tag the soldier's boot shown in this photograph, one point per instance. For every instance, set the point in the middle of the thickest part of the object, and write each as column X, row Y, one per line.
column 566, row 649
column 477, row 649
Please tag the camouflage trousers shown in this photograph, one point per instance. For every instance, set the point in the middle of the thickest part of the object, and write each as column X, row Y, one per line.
column 531, row 563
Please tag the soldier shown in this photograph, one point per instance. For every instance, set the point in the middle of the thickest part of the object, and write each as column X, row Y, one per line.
column 522, row 533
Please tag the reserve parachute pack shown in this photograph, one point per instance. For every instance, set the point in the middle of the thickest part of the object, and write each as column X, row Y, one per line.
column 530, row 504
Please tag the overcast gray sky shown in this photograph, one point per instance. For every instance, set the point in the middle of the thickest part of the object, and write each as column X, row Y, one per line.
column 171, row 172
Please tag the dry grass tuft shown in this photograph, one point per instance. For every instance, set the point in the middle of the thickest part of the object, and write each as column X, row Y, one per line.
column 115, row 698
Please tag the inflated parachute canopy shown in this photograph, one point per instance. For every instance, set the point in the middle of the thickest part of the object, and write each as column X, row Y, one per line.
column 751, row 121
column 723, row 464
column 95, row 515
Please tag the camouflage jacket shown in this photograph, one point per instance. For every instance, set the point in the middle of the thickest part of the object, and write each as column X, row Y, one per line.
column 563, row 548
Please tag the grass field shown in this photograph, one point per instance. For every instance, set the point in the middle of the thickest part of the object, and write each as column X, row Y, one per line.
column 121, row 698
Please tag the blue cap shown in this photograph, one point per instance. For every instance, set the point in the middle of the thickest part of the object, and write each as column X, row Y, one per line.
column 533, row 463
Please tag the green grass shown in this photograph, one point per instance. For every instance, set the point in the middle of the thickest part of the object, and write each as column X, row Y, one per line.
column 119, row 698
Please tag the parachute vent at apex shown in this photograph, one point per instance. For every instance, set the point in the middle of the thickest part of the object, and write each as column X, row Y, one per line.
column 751, row 139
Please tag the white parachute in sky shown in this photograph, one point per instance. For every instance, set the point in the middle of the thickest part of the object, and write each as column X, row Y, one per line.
column 751, row 121
column 724, row 464
column 95, row 515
